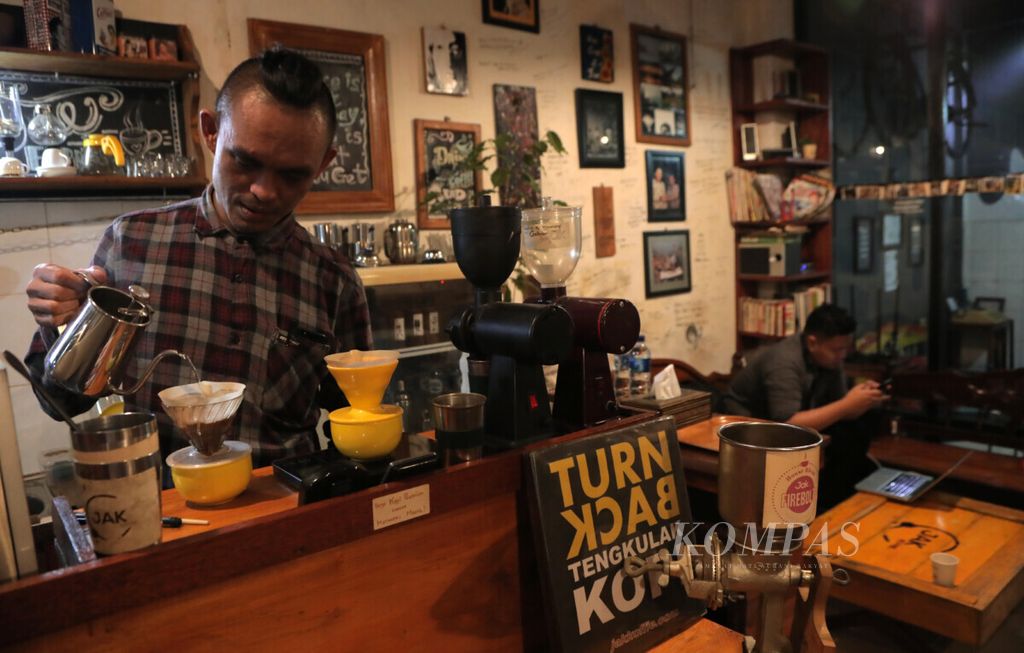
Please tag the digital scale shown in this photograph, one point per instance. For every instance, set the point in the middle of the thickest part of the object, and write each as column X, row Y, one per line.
column 327, row 473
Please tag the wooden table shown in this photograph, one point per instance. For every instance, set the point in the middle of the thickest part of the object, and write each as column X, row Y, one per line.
column 698, row 445
column 890, row 571
column 703, row 636
column 982, row 468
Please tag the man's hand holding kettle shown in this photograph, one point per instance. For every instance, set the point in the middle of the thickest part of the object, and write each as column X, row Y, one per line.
column 56, row 293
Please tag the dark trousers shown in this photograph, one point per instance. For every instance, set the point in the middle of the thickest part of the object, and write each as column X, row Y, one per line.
column 846, row 460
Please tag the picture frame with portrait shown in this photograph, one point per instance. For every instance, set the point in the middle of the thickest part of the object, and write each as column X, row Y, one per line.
column 599, row 129
column 667, row 263
column 517, row 14
column 441, row 145
column 666, row 194
column 661, row 98
column 359, row 179
column 444, row 61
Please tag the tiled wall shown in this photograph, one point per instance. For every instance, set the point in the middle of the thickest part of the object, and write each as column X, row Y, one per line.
column 61, row 232
column 993, row 265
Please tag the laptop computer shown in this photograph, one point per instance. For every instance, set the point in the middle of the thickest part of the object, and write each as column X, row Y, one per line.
column 903, row 485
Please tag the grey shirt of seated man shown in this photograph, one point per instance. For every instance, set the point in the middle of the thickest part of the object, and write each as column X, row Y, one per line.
column 781, row 380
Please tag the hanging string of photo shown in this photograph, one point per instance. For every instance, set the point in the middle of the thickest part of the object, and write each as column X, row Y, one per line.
column 1011, row 184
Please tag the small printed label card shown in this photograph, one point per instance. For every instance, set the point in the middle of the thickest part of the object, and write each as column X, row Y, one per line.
column 396, row 508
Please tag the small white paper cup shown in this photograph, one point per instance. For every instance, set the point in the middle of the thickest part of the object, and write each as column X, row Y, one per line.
column 944, row 568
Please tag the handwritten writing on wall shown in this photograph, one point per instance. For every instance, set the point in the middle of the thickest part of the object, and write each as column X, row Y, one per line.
column 345, row 76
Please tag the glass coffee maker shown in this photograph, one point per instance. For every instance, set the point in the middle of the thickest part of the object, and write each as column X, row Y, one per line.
column 552, row 241
column 584, row 393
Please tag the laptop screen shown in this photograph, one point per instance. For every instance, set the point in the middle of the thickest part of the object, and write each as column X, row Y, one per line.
column 905, row 484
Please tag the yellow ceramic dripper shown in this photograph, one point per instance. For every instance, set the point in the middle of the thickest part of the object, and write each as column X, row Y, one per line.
column 363, row 375
column 367, row 429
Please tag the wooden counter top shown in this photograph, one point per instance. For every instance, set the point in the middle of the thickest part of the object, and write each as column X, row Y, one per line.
column 264, row 496
column 267, row 574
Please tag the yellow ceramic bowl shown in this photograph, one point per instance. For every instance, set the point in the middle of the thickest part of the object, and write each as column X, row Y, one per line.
column 363, row 375
column 366, row 434
column 209, row 480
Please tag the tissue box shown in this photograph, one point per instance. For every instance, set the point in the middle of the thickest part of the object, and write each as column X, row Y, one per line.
column 93, row 28
column 691, row 406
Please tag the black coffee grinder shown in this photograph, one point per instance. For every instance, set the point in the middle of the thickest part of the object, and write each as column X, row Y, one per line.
column 507, row 343
column 585, row 394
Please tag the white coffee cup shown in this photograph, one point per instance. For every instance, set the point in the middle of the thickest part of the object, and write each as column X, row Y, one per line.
column 11, row 167
column 54, row 157
column 944, row 568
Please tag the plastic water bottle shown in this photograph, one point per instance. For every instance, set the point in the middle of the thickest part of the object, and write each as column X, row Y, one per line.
column 623, row 375
column 641, row 377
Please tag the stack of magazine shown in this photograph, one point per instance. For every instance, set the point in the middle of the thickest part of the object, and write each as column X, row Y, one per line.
column 691, row 406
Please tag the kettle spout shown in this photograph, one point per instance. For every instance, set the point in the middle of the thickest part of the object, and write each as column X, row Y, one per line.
column 152, row 366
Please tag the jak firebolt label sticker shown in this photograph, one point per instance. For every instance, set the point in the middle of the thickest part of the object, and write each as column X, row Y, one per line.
column 790, row 487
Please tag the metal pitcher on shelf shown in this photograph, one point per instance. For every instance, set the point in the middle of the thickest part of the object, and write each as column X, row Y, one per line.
column 401, row 242
column 89, row 355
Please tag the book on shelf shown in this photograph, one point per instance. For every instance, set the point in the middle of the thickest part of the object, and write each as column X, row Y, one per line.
column 760, row 197
column 781, row 317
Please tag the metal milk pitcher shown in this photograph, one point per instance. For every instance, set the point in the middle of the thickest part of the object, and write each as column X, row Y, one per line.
column 88, row 356
column 401, row 242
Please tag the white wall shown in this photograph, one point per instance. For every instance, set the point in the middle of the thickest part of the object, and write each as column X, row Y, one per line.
column 548, row 61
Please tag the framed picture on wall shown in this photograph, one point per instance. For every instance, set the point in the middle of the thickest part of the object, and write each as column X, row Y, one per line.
column 358, row 180
column 444, row 61
column 863, row 245
column 666, row 199
column 599, row 129
column 661, row 100
column 597, row 54
column 666, row 263
column 518, row 14
column 440, row 146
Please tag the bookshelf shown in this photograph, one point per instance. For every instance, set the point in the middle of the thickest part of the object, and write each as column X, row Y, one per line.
column 770, row 303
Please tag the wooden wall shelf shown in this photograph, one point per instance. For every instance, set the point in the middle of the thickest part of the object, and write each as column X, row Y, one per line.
column 95, row 65
column 97, row 183
column 817, row 275
column 788, row 162
column 184, row 72
column 810, row 111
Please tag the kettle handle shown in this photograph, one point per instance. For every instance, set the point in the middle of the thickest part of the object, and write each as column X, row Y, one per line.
column 111, row 146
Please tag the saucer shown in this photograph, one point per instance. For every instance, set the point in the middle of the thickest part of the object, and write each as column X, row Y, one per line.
column 56, row 171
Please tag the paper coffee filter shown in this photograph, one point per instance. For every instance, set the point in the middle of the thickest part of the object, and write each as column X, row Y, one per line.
column 356, row 358
column 202, row 393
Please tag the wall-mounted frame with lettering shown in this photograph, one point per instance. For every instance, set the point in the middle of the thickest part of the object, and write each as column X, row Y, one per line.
column 440, row 147
column 359, row 179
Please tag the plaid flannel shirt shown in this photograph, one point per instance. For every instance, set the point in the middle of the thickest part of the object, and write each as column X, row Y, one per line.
column 260, row 311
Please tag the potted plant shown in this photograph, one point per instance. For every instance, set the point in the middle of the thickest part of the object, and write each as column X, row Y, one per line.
column 516, row 178
column 808, row 148
column 516, row 173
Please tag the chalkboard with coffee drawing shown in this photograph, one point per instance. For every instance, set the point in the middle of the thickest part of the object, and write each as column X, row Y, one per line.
column 145, row 115
column 440, row 147
column 358, row 179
